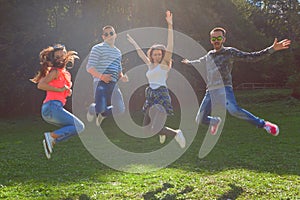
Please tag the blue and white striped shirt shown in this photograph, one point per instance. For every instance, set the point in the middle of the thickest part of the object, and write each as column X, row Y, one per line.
column 106, row 60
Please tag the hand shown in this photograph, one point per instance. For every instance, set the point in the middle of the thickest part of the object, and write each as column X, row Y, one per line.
column 130, row 39
column 284, row 44
column 69, row 92
column 62, row 89
column 105, row 78
column 185, row 61
column 169, row 17
column 124, row 78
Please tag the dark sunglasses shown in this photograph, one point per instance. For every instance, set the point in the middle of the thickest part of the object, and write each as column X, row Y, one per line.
column 110, row 33
column 58, row 47
column 219, row 38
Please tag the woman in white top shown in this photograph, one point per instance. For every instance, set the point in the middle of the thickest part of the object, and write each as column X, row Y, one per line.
column 158, row 101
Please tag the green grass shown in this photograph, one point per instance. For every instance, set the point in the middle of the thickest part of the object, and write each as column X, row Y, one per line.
column 246, row 163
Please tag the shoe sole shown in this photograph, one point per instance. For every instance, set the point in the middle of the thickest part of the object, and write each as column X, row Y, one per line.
column 277, row 132
column 49, row 145
column 99, row 120
column 89, row 117
column 178, row 139
column 162, row 139
column 220, row 121
column 46, row 150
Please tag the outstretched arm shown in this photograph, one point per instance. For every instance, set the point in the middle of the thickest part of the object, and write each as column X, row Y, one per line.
column 186, row 61
column 170, row 45
column 139, row 50
column 283, row 44
column 259, row 55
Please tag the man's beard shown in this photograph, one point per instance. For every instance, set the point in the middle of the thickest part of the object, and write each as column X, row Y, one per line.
column 218, row 45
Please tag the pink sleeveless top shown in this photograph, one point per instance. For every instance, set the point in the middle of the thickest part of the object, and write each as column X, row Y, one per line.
column 64, row 78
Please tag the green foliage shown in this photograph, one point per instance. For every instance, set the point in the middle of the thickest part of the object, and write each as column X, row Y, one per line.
column 294, row 80
column 294, row 83
column 29, row 26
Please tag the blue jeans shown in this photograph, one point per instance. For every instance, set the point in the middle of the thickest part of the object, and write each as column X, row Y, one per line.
column 230, row 104
column 103, row 99
column 54, row 113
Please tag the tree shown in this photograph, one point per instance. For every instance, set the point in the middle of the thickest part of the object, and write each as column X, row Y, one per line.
column 29, row 26
column 281, row 19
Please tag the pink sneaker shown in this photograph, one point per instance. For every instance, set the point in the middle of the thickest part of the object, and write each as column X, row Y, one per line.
column 271, row 128
column 214, row 128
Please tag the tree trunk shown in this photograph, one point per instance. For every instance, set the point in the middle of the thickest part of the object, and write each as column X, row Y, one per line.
column 296, row 92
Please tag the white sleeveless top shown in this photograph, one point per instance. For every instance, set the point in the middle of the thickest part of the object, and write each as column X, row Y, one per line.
column 157, row 77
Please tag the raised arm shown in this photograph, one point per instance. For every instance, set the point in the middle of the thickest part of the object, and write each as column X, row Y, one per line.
column 140, row 52
column 170, row 45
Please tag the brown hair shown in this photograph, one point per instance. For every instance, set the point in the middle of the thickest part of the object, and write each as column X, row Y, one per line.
column 219, row 29
column 47, row 59
column 107, row 27
column 163, row 51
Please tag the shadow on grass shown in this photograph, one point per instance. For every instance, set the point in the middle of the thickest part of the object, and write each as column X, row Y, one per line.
column 151, row 194
column 81, row 197
column 239, row 146
column 242, row 146
column 232, row 194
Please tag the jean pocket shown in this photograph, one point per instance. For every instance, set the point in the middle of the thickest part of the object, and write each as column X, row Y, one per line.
column 46, row 111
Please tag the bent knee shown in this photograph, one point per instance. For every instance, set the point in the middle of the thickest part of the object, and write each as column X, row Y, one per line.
column 80, row 127
column 235, row 112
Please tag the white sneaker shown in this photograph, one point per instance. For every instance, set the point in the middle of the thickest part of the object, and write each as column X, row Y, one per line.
column 89, row 116
column 99, row 119
column 49, row 141
column 162, row 138
column 48, row 155
column 180, row 138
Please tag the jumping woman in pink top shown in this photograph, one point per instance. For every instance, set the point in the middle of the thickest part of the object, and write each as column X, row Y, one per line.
column 54, row 78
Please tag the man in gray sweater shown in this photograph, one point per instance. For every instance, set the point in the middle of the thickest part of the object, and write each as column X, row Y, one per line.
column 218, row 63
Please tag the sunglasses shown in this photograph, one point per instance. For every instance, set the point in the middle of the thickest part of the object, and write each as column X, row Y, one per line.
column 219, row 38
column 58, row 47
column 110, row 33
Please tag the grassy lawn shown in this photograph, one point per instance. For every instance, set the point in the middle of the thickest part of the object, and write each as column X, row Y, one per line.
column 246, row 163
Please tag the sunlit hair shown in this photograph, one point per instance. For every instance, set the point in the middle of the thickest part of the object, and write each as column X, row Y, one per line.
column 47, row 59
column 219, row 29
column 108, row 27
column 163, row 51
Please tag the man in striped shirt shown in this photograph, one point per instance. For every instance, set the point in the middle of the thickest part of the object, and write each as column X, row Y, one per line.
column 104, row 64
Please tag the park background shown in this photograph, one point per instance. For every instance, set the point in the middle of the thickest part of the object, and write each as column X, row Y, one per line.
column 29, row 26
column 246, row 163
